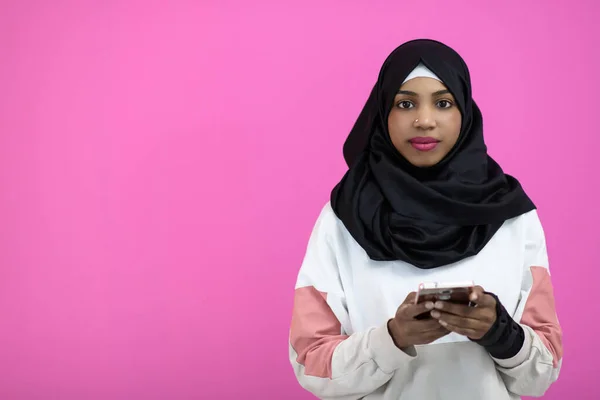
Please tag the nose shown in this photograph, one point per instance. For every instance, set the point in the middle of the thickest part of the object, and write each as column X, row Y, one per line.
column 425, row 119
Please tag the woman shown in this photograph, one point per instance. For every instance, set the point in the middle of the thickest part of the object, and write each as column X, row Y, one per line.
column 422, row 201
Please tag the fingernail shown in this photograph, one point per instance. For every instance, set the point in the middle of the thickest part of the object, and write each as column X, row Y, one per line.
column 429, row 305
column 443, row 323
column 439, row 305
column 435, row 314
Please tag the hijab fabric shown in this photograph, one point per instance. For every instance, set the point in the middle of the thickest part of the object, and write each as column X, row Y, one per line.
column 432, row 216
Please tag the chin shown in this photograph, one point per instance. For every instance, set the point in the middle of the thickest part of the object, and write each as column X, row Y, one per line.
column 424, row 165
column 421, row 163
column 421, row 159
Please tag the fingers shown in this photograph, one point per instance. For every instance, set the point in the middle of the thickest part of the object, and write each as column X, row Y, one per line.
column 476, row 293
column 459, row 324
column 456, row 320
column 456, row 309
column 409, row 311
column 435, row 334
column 427, row 333
column 471, row 333
column 443, row 331
column 426, row 326
column 410, row 298
column 481, row 299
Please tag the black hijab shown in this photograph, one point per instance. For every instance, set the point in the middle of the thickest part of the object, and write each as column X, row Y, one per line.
column 432, row 216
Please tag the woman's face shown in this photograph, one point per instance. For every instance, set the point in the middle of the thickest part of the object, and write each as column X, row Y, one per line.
column 424, row 123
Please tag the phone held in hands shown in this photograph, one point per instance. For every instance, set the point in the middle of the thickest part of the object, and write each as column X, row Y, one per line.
column 452, row 292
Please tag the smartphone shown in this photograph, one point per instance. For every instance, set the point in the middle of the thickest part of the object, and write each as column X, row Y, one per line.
column 452, row 292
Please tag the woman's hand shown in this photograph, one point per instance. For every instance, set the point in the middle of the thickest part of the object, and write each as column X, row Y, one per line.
column 472, row 322
column 407, row 331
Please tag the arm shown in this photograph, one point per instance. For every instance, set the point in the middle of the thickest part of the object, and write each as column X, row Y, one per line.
column 532, row 370
column 327, row 362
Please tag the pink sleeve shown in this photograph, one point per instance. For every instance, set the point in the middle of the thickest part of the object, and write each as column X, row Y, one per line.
column 315, row 332
column 330, row 364
column 328, row 358
column 537, row 365
column 540, row 313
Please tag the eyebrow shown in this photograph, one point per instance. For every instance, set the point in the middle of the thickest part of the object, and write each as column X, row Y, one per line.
column 438, row 93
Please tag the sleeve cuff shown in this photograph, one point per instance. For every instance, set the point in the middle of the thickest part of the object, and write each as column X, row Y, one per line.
column 518, row 358
column 385, row 353
column 505, row 338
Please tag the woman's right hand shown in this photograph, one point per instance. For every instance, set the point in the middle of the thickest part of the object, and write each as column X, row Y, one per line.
column 408, row 331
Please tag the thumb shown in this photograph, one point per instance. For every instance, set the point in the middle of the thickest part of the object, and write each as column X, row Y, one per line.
column 481, row 298
column 476, row 294
column 411, row 298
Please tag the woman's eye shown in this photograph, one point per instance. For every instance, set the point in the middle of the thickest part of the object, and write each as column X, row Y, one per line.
column 405, row 104
column 444, row 104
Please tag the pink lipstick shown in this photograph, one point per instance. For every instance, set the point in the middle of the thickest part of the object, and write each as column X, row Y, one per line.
column 424, row 143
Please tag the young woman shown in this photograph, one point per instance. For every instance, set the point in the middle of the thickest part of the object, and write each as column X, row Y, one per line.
column 423, row 202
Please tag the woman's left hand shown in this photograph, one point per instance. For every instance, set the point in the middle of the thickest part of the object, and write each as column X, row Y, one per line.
column 472, row 322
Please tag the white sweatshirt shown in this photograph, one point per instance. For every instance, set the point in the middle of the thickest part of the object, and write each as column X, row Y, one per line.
column 340, row 347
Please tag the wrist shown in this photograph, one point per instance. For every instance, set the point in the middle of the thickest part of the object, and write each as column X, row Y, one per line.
column 505, row 337
column 393, row 331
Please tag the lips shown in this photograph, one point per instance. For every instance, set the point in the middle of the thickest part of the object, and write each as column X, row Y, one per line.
column 424, row 143
column 424, row 140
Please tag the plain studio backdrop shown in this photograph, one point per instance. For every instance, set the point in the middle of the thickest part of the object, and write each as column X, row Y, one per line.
column 162, row 165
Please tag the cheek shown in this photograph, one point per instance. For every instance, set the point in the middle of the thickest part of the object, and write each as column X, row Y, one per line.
column 453, row 124
column 397, row 128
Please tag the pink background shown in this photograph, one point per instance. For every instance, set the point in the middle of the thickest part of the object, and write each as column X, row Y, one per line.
column 162, row 165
